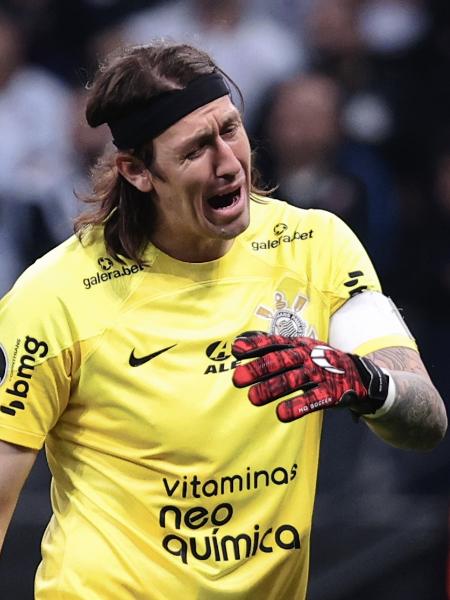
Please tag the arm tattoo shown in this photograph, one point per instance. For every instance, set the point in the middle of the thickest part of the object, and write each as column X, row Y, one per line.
column 399, row 359
column 417, row 420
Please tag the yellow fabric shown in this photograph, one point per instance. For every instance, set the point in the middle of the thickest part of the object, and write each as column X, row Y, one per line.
column 167, row 482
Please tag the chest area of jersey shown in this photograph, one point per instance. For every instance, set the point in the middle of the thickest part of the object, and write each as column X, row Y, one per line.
column 165, row 368
column 191, row 330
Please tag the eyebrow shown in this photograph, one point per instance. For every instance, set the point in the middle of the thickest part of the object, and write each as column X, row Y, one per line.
column 205, row 134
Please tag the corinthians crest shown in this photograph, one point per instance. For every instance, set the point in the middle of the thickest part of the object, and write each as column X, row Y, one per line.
column 285, row 319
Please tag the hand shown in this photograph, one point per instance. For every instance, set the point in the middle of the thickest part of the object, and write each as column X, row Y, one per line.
column 327, row 377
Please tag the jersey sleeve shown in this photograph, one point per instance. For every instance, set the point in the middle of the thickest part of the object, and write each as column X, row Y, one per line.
column 361, row 322
column 350, row 269
column 37, row 359
column 368, row 322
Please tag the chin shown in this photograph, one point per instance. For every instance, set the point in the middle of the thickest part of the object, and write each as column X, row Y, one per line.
column 232, row 230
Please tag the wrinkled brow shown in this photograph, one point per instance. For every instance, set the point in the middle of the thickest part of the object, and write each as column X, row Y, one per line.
column 205, row 134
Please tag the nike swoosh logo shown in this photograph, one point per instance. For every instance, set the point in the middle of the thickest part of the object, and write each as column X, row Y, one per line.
column 137, row 362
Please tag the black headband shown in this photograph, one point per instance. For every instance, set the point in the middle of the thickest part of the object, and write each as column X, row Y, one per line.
column 147, row 122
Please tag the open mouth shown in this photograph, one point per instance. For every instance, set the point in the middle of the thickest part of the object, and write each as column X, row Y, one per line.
column 225, row 200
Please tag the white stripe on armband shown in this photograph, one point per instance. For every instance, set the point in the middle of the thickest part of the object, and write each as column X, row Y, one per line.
column 388, row 403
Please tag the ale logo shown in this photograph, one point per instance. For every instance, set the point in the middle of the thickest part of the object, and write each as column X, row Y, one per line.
column 220, row 352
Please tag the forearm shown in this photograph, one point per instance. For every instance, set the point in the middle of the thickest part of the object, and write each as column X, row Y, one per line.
column 5, row 518
column 417, row 419
column 15, row 465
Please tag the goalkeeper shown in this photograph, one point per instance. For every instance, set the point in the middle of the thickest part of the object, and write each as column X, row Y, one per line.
column 124, row 352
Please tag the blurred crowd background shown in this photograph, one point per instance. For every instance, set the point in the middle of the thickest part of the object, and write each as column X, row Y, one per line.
column 347, row 103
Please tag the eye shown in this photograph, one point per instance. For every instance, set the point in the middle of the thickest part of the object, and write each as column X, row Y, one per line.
column 230, row 130
column 193, row 154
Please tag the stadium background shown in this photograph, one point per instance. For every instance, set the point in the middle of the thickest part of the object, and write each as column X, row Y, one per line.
column 348, row 103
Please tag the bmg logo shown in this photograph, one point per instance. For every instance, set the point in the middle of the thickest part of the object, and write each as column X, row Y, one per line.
column 33, row 349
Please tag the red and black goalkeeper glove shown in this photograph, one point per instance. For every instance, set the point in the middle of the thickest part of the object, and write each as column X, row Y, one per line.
column 327, row 377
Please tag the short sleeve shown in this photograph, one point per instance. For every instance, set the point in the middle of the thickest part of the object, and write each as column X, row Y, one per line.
column 37, row 359
column 350, row 269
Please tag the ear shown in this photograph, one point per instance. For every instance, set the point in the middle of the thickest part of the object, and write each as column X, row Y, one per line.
column 134, row 171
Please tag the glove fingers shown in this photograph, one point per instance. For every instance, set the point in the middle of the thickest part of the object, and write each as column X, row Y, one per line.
column 299, row 406
column 258, row 344
column 270, row 364
column 281, row 385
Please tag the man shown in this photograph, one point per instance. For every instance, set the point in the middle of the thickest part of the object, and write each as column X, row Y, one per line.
column 167, row 482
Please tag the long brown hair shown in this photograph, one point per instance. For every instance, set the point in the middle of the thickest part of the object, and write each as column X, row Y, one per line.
column 125, row 81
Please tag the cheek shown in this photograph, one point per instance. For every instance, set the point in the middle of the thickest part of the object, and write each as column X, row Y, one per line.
column 243, row 151
column 198, row 180
column 188, row 199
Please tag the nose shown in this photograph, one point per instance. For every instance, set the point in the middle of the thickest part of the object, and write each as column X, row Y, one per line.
column 227, row 164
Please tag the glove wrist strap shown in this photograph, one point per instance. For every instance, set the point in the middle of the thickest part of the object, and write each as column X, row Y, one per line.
column 375, row 380
column 390, row 399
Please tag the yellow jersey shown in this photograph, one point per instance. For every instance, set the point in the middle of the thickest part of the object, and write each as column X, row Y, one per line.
column 167, row 483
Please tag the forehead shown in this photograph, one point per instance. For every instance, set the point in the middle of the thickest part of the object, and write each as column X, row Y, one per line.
column 199, row 121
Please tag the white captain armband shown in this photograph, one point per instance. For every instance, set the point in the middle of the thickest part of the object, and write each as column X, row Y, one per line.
column 365, row 317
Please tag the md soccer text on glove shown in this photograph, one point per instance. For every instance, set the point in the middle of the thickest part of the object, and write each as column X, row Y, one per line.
column 324, row 376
